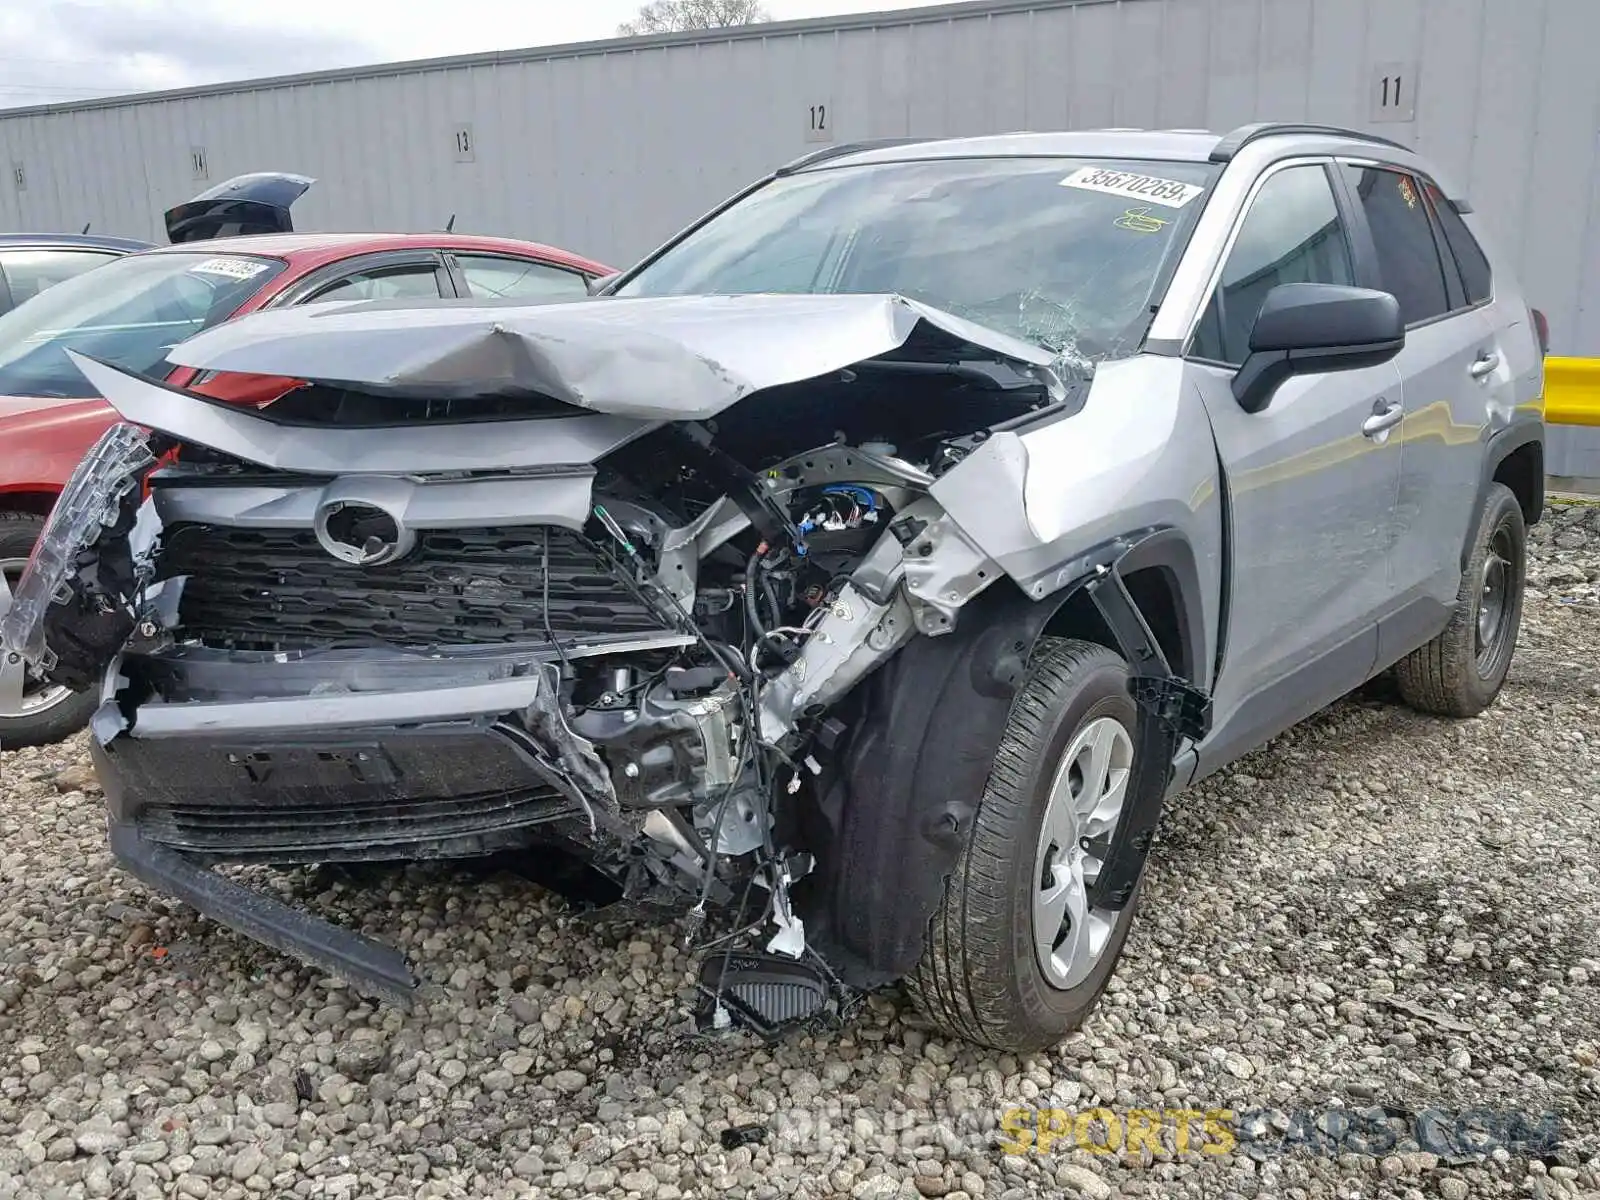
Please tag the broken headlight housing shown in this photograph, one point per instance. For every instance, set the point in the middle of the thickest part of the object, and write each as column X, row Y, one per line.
column 96, row 498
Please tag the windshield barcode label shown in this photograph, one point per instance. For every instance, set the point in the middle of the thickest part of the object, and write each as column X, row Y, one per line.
column 1169, row 192
column 233, row 268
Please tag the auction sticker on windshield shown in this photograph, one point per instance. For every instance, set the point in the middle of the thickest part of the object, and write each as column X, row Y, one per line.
column 232, row 268
column 1169, row 192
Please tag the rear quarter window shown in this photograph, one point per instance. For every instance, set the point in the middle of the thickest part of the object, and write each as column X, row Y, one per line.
column 1408, row 259
column 1476, row 274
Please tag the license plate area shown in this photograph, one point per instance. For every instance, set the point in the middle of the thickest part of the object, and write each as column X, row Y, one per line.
column 313, row 767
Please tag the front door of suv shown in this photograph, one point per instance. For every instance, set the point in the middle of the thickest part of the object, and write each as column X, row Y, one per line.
column 1448, row 366
column 1310, row 481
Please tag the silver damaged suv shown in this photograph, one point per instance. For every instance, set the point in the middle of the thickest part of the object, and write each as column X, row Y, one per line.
column 851, row 581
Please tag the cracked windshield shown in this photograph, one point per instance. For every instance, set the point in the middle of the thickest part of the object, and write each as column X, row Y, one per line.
column 1065, row 253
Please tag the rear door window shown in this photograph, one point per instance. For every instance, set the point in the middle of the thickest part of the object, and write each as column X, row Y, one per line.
column 492, row 277
column 402, row 281
column 1408, row 257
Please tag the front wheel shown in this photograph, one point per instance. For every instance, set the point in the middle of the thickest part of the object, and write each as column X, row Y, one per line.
column 32, row 713
column 1021, row 947
column 1460, row 672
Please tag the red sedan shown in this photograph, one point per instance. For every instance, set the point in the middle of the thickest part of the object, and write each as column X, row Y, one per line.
column 133, row 310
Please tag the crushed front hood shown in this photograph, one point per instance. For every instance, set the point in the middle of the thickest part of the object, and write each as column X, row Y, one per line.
column 678, row 358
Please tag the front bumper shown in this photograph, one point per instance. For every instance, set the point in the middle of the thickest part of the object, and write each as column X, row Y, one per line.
column 241, row 758
column 340, row 757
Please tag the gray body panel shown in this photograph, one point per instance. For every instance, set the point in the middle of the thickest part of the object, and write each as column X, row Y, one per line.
column 1442, row 440
column 680, row 358
column 318, row 450
column 1311, row 503
column 1138, row 456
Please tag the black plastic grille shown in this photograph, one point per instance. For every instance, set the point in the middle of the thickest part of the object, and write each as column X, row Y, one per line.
column 279, row 590
column 346, row 830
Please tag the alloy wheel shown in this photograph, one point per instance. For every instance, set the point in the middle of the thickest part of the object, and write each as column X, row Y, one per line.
column 1086, row 799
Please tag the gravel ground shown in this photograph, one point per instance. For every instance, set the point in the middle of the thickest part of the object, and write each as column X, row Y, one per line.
column 1378, row 909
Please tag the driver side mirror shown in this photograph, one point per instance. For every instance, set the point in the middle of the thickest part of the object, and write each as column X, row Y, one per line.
column 1311, row 328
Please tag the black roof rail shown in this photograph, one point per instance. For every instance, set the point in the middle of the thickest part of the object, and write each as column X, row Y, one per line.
column 844, row 148
column 1245, row 134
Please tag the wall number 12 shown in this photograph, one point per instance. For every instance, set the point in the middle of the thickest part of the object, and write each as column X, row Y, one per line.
column 819, row 123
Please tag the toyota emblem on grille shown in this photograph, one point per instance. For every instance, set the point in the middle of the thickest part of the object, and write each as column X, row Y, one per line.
column 363, row 535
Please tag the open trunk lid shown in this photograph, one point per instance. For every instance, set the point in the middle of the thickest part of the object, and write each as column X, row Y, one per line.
column 246, row 204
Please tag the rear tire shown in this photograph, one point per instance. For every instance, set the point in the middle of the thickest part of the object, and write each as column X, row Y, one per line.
column 1460, row 672
column 989, row 974
column 47, row 715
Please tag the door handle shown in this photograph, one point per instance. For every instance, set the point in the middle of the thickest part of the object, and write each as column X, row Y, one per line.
column 1385, row 416
column 1486, row 363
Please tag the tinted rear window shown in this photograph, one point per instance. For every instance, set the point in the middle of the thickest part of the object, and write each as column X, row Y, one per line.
column 1408, row 258
column 1470, row 258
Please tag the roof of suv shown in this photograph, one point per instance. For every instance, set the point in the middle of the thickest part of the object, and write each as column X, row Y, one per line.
column 1169, row 145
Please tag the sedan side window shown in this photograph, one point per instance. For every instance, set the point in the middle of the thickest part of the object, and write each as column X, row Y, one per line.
column 1408, row 258
column 407, row 281
column 492, row 277
column 1292, row 234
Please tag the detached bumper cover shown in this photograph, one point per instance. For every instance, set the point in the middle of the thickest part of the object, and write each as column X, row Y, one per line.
column 365, row 963
column 453, row 770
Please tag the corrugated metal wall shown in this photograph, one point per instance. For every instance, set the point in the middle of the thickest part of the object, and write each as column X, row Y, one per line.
column 609, row 148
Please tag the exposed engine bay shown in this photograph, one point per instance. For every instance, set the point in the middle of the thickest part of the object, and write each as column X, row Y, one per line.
column 641, row 649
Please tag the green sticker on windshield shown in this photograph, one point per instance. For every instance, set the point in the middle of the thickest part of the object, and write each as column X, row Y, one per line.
column 1141, row 220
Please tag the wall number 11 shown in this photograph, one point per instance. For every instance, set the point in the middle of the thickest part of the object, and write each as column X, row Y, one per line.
column 1394, row 92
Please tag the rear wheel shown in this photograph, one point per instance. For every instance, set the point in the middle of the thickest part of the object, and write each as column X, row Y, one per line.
column 1460, row 672
column 1021, row 946
column 32, row 713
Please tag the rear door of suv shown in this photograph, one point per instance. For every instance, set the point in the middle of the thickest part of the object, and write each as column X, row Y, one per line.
column 1447, row 369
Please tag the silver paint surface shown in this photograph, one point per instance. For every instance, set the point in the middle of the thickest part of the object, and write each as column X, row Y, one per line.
column 679, row 358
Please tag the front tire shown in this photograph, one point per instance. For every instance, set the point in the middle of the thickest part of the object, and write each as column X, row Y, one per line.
column 1460, row 672
column 1019, row 951
column 31, row 713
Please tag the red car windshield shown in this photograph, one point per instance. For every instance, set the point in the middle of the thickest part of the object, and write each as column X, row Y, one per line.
column 129, row 312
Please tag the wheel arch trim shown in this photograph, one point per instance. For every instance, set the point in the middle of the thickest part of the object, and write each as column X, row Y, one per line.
column 901, row 787
column 1500, row 447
